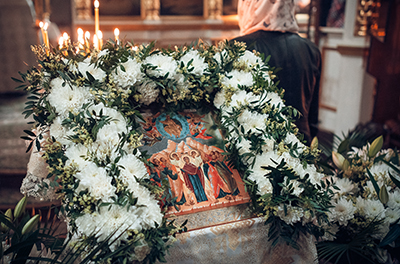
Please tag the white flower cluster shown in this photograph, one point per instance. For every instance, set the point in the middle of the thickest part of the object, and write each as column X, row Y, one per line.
column 359, row 199
column 92, row 160
column 254, row 111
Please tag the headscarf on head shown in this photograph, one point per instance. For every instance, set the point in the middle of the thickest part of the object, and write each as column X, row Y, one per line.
column 268, row 15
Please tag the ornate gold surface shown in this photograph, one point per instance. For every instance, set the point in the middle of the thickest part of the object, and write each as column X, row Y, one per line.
column 214, row 217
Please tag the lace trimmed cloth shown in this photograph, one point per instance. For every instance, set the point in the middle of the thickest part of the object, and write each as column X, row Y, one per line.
column 36, row 178
column 244, row 241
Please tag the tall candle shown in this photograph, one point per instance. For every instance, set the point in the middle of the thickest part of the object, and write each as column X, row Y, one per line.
column 96, row 17
column 45, row 35
column 81, row 40
column 100, row 36
column 66, row 38
column 41, row 25
column 96, row 42
column 116, row 34
column 87, row 39
column 61, row 42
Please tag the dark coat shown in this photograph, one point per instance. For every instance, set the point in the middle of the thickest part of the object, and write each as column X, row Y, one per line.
column 300, row 63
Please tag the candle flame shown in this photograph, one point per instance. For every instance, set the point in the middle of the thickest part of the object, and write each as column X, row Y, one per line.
column 46, row 25
column 80, row 32
column 87, row 35
column 65, row 36
column 96, row 4
column 61, row 41
column 96, row 42
column 116, row 32
column 99, row 34
column 41, row 24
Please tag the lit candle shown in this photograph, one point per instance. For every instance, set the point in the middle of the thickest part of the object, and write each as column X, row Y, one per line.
column 96, row 42
column 41, row 25
column 46, row 36
column 61, row 42
column 87, row 38
column 100, row 36
column 96, row 16
column 81, row 40
column 66, row 38
column 116, row 34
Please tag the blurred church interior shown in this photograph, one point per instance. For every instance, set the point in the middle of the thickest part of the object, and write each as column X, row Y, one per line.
column 359, row 41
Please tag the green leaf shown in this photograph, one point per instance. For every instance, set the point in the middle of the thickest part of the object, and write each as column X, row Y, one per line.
column 30, row 133
column 376, row 187
column 391, row 236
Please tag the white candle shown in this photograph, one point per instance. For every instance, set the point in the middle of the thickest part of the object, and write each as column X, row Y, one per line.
column 81, row 40
column 96, row 42
column 66, row 38
column 41, row 25
column 46, row 36
column 116, row 34
column 100, row 36
column 87, row 39
column 96, row 16
column 61, row 42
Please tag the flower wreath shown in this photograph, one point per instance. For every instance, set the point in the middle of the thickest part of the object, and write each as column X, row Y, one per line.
column 86, row 110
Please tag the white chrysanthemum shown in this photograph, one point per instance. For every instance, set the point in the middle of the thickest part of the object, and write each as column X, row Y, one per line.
column 345, row 186
column 117, row 119
column 275, row 100
column 198, row 64
column 165, row 64
column 96, row 180
column 250, row 59
column 394, row 200
column 252, row 122
column 236, row 78
column 258, row 173
column 292, row 139
column 131, row 168
column 148, row 208
column 181, row 83
column 297, row 189
column 103, row 150
column 269, row 145
column 342, row 211
column 392, row 215
column 221, row 56
column 149, row 92
column 374, row 209
column 241, row 98
column 59, row 132
column 381, row 172
column 219, row 99
column 72, row 65
column 362, row 152
column 110, row 133
column 77, row 154
column 294, row 163
column 131, row 75
column 108, row 220
column 244, row 146
column 292, row 216
column 67, row 99
column 86, row 67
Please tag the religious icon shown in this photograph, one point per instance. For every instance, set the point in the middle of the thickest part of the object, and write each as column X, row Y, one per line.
column 188, row 153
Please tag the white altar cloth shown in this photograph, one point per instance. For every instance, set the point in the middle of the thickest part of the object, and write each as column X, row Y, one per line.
column 240, row 242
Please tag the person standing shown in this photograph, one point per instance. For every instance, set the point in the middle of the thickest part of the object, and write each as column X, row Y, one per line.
column 269, row 27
